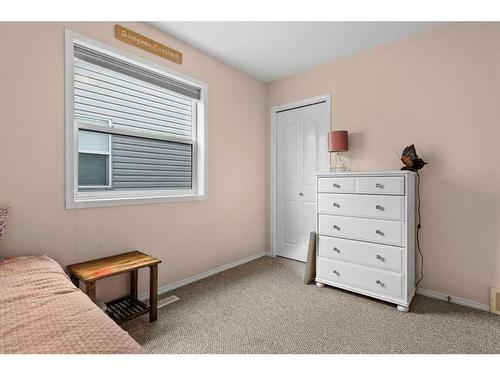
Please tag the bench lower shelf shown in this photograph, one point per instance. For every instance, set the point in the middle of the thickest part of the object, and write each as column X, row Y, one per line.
column 125, row 308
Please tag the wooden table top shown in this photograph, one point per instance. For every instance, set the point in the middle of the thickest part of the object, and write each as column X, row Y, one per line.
column 109, row 266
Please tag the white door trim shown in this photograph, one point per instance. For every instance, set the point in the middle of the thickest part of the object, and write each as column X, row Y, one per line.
column 327, row 98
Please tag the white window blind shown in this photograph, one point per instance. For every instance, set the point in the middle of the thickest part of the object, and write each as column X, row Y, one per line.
column 103, row 89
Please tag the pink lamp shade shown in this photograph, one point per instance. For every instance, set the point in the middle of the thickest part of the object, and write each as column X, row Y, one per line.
column 338, row 141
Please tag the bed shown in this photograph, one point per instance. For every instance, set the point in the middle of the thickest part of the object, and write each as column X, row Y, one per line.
column 41, row 311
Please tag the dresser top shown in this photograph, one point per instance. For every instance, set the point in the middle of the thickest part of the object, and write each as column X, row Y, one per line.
column 364, row 173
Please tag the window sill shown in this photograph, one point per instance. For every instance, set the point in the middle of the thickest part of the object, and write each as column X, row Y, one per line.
column 127, row 201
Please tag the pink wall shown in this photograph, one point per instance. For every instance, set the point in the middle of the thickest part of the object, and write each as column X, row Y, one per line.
column 441, row 91
column 190, row 237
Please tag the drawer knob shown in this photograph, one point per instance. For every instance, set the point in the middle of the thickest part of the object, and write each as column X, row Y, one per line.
column 336, row 186
column 301, row 194
column 379, row 257
column 336, row 250
column 379, row 232
column 336, row 227
column 379, row 207
column 380, row 186
column 336, row 204
column 380, row 283
column 335, row 272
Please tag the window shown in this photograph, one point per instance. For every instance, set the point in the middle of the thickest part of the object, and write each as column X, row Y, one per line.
column 135, row 131
column 94, row 161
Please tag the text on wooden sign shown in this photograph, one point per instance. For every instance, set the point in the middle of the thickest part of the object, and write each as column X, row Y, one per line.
column 147, row 44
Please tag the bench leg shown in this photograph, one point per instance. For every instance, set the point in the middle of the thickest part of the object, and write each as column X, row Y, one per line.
column 153, row 293
column 75, row 280
column 133, row 283
column 90, row 290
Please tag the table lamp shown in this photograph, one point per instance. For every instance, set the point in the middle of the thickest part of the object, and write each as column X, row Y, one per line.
column 338, row 142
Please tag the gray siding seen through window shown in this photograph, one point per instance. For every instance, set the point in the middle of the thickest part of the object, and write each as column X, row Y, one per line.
column 140, row 163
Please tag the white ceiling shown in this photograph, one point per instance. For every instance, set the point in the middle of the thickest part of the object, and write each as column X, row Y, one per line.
column 272, row 50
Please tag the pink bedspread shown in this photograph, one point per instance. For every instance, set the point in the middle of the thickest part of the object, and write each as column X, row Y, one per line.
column 41, row 311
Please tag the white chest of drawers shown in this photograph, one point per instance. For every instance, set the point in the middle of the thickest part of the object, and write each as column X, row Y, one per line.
column 365, row 228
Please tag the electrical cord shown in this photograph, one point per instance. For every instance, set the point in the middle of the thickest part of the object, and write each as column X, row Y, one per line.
column 419, row 225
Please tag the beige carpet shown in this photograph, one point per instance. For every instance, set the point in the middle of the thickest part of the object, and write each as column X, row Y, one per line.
column 263, row 307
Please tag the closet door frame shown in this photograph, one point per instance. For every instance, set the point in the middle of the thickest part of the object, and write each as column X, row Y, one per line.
column 327, row 98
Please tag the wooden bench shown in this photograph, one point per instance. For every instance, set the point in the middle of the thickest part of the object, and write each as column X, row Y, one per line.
column 128, row 307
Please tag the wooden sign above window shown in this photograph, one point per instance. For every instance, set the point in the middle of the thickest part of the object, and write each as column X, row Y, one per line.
column 147, row 44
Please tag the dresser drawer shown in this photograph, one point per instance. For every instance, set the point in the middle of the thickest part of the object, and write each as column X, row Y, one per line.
column 389, row 257
column 372, row 206
column 380, row 231
column 381, row 185
column 360, row 277
column 336, row 185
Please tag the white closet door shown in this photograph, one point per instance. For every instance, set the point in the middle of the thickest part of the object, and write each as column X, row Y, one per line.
column 302, row 151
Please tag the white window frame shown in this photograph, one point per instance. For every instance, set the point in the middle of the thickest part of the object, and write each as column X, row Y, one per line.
column 97, row 198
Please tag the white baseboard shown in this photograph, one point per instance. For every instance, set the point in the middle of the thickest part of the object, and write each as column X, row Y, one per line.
column 453, row 299
column 213, row 271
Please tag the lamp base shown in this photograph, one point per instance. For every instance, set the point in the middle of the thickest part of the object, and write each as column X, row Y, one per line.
column 338, row 164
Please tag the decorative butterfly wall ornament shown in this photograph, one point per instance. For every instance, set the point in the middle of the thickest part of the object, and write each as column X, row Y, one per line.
column 411, row 160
